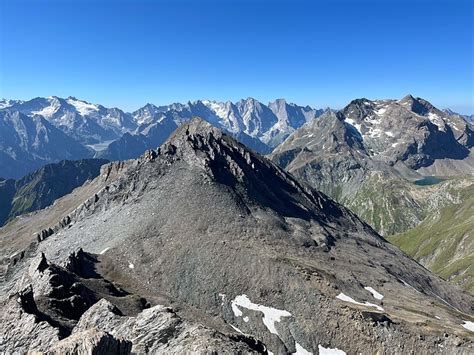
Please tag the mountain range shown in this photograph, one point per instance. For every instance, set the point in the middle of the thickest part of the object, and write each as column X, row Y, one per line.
column 114, row 134
column 259, row 126
column 203, row 245
column 27, row 143
column 385, row 143
column 395, row 163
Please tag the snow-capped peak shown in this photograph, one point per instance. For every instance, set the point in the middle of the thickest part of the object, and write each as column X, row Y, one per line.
column 83, row 108
column 48, row 110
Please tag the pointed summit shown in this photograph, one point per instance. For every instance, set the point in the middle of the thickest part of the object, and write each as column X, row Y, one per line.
column 407, row 99
column 417, row 105
column 196, row 126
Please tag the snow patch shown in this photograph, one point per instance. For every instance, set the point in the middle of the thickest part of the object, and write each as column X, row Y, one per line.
column 270, row 315
column 300, row 350
column 236, row 329
column 48, row 111
column 354, row 124
column 131, row 266
column 84, row 108
column 373, row 119
column 103, row 251
column 468, row 325
column 374, row 293
column 438, row 121
column 380, row 111
column 346, row 298
column 329, row 351
column 389, row 133
column 6, row 103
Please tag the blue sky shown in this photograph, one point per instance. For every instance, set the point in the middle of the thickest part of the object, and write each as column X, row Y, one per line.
column 322, row 53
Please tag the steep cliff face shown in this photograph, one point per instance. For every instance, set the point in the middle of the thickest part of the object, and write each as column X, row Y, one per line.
column 227, row 235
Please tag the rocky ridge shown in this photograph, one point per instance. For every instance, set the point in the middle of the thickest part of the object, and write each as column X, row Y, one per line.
column 306, row 273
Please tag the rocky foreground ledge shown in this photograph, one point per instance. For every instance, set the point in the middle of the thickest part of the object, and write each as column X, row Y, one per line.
column 68, row 309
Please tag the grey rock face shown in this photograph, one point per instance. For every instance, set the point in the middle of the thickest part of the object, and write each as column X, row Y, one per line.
column 410, row 131
column 160, row 330
column 91, row 341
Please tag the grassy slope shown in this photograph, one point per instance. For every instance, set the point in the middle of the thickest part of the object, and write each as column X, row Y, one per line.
column 444, row 241
column 389, row 206
column 393, row 206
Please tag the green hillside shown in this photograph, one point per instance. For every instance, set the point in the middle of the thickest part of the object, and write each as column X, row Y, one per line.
column 444, row 240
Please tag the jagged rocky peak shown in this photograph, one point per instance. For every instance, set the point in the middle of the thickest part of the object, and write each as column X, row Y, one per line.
column 359, row 108
column 227, row 160
column 220, row 153
column 350, row 154
column 417, row 105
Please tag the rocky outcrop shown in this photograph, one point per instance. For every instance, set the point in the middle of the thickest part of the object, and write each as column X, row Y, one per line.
column 56, row 313
column 22, row 328
column 160, row 330
column 91, row 341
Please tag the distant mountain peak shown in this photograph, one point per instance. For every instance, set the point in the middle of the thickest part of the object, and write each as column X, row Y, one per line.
column 417, row 105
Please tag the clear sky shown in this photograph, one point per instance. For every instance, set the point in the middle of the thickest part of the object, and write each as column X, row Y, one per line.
column 322, row 53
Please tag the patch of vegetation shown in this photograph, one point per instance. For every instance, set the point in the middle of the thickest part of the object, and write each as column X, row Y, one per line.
column 444, row 240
